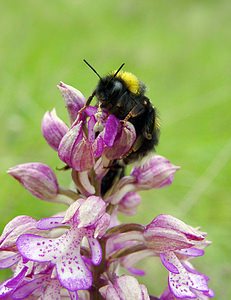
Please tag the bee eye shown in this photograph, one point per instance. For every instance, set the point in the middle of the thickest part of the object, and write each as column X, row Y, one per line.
column 117, row 86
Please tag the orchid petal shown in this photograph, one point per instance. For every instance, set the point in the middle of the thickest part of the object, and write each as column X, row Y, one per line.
column 96, row 251
column 111, row 128
column 53, row 129
column 49, row 223
column 82, row 158
column 73, row 98
column 28, row 288
column 8, row 259
column 69, row 142
column 90, row 211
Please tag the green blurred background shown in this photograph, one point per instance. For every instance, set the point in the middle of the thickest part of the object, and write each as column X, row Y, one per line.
column 180, row 49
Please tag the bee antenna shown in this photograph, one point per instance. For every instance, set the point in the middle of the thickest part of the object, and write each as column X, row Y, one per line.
column 94, row 70
column 119, row 70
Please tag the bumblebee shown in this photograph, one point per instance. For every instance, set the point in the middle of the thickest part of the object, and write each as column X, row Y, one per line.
column 123, row 95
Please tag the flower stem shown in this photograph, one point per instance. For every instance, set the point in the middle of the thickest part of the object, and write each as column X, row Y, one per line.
column 69, row 193
column 124, row 228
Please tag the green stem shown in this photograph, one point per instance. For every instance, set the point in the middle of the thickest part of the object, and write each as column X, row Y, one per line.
column 69, row 193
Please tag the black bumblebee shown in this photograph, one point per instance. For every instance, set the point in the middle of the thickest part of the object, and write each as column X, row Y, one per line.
column 123, row 95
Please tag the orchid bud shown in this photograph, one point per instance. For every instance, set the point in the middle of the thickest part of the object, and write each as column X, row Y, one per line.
column 37, row 178
column 73, row 98
column 170, row 222
column 156, row 172
column 166, row 233
column 129, row 203
column 53, row 129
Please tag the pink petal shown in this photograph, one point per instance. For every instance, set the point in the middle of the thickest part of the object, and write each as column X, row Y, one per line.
column 191, row 252
column 69, row 142
column 98, row 146
column 72, row 271
column 111, row 128
column 85, row 186
column 53, row 290
column 109, row 293
column 128, row 287
column 40, row 249
column 102, row 225
column 91, row 132
column 90, row 211
column 90, row 110
column 96, row 251
column 29, row 287
column 8, row 259
column 183, row 283
column 14, row 223
column 9, row 285
column 53, row 129
column 167, row 262
column 49, row 223
column 132, row 259
column 73, row 98
column 64, row 252
column 82, row 158
column 123, row 142
column 71, row 211
column 14, row 228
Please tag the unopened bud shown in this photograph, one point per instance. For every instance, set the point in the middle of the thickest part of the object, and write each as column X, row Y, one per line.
column 37, row 178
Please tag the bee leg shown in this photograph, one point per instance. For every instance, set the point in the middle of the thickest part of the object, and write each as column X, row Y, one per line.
column 135, row 112
column 115, row 172
column 87, row 103
column 89, row 99
column 66, row 167
column 136, row 146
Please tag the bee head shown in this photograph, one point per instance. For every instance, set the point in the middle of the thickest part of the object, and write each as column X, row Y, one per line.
column 109, row 88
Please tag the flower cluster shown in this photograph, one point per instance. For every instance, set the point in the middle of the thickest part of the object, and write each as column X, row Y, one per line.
column 77, row 253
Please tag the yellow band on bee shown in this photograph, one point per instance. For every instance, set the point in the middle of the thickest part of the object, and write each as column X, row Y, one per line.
column 131, row 81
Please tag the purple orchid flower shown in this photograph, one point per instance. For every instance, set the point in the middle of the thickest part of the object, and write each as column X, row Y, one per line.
column 73, row 272
column 79, row 151
column 77, row 253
